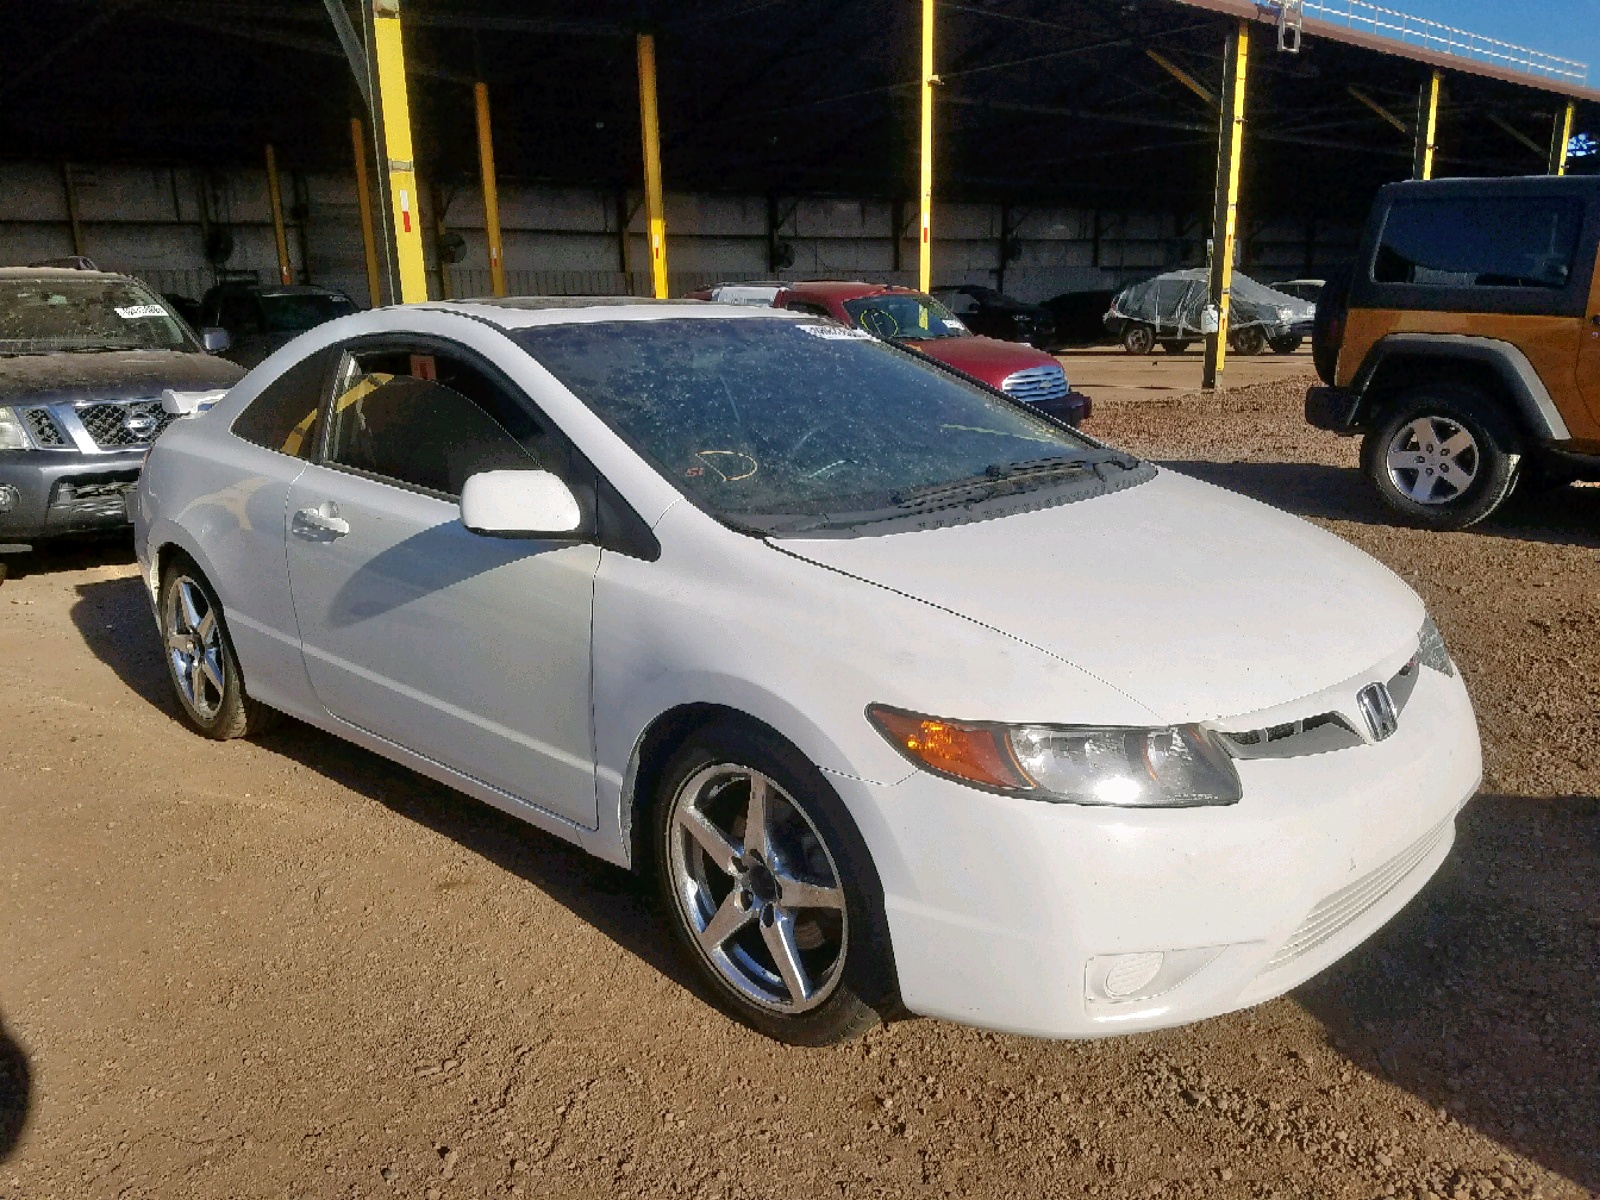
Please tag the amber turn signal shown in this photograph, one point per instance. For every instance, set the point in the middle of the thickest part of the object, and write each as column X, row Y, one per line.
column 973, row 753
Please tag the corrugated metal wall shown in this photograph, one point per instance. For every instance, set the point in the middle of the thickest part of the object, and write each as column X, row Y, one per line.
column 153, row 222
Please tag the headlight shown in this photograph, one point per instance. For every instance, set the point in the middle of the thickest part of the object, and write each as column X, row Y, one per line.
column 1285, row 316
column 1431, row 651
column 12, row 434
column 1177, row 767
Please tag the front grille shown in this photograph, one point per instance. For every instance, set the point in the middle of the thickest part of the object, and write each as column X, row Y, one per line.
column 107, row 423
column 1036, row 384
column 1348, row 903
column 45, row 431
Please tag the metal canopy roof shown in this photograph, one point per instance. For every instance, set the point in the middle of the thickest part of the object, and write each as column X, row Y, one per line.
column 1042, row 101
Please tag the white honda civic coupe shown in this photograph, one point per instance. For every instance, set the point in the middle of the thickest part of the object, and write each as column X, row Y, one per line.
column 911, row 698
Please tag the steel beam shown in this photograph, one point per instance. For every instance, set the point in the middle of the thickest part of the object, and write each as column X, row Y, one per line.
column 1357, row 94
column 1182, row 76
column 1561, row 139
column 1225, row 218
column 650, row 126
column 395, row 152
column 275, row 200
column 925, row 171
column 1427, row 128
column 354, row 52
column 491, row 194
column 369, row 241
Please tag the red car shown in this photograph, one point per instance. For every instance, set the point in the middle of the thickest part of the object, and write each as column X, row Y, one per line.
column 914, row 319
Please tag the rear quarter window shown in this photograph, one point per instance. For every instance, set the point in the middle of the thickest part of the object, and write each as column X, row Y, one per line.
column 1480, row 242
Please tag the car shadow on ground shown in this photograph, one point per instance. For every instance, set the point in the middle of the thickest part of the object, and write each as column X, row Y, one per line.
column 113, row 617
column 1483, row 997
column 71, row 554
column 16, row 1092
column 1564, row 516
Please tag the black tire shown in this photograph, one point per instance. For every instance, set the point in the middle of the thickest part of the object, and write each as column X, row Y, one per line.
column 1178, row 347
column 1249, row 341
column 1286, row 345
column 1138, row 338
column 856, row 983
column 1489, row 464
column 222, row 712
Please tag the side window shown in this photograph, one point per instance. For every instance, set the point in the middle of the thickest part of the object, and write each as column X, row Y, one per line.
column 1486, row 241
column 429, row 420
column 960, row 303
column 285, row 416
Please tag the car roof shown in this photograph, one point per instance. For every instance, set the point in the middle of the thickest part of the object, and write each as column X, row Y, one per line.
column 521, row 312
column 840, row 289
column 56, row 273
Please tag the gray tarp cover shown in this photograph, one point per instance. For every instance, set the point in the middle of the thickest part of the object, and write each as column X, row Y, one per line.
column 1174, row 302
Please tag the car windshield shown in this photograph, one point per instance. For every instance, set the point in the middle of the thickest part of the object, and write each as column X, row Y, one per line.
column 906, row 315
column 295, row 312
column 784, row 426
column 47, row 316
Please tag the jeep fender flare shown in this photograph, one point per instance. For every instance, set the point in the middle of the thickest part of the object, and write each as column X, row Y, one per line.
column 1529, row 398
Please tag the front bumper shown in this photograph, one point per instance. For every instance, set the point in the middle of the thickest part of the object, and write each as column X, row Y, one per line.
column 1333, row 409
column 999, row 908
column 51, row 493
column 1073, row 408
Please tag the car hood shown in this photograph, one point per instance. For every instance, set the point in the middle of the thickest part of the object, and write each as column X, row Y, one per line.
column 109, row 375
column 1198, row 603
column 988, row 359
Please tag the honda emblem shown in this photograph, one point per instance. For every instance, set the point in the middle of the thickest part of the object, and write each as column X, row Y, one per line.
column 1377, row 707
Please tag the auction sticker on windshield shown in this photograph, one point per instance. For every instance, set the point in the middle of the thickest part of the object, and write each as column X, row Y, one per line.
column 836, row 333
column 134, row 311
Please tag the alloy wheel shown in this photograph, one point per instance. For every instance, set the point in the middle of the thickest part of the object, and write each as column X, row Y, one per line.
column 1433, row 460
column 194, row 647
column 758, row 887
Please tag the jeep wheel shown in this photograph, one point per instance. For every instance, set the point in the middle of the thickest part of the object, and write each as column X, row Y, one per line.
column 1442, row 455
column 1138, row 339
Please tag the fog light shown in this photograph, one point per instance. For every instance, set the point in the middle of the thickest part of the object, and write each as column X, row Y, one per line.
column 1114, row 981
column 9, row 497
column 1130, row 974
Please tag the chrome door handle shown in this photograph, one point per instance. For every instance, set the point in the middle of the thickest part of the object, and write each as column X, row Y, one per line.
column 315, row 521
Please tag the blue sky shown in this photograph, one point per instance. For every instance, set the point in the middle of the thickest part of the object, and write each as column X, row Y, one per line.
column 1570, row 28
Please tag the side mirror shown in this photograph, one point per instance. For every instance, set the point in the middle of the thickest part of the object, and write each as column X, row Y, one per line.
column 519, row 504
column 215, row 340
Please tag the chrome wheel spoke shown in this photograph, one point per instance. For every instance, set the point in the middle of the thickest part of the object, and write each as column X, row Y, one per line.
column 187, row 607
column 197, row 681
column 757, row 831
column 206, row 627
column 1404, row 460
column 804, row 893
column 719, row 847
column 778, row 933
column 1457, row 444
column 177, row 643
column 212, row 670
column 730, row 917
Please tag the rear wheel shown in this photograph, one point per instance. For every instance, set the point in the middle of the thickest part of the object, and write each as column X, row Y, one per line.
column 200, row 659
column 770, row 890
column 1442, row 455
column 1248, row 340
column 1138, row 338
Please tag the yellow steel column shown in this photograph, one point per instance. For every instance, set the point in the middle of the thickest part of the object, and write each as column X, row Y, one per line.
column 389, row 70
column 275, row 199
column 1225, row 219
column 1561, row 140
column 369, row 242
column 925, row 182
column 1427, row 128
column 650, row 124
column 491, row 197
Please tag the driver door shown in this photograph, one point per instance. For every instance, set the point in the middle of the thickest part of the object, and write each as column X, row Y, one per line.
column 472, row 651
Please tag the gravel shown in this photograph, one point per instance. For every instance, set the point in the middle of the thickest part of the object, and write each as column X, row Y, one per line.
column 287, row 968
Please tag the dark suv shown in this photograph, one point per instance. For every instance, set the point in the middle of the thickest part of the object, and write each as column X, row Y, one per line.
column 84, row 359
column 1465, row 344
column 261, row 317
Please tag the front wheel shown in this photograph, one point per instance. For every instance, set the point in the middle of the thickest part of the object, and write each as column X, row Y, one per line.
column 1442, row 455
column 201, row 662
column 1138, row 339
column 770, row 890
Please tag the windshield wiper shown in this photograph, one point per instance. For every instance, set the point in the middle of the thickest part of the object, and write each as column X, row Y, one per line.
column 996, row 477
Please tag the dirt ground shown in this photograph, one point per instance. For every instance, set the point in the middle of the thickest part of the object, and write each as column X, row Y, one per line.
column 1110, row 374
column 288, row 969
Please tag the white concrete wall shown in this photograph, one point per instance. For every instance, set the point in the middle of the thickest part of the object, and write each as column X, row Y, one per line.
column 150, row 221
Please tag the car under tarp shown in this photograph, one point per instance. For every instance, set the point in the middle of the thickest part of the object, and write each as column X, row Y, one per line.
column 1171, row 308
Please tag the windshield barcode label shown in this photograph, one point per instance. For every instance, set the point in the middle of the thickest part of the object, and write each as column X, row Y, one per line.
column 135, row 311
column 835, row 333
